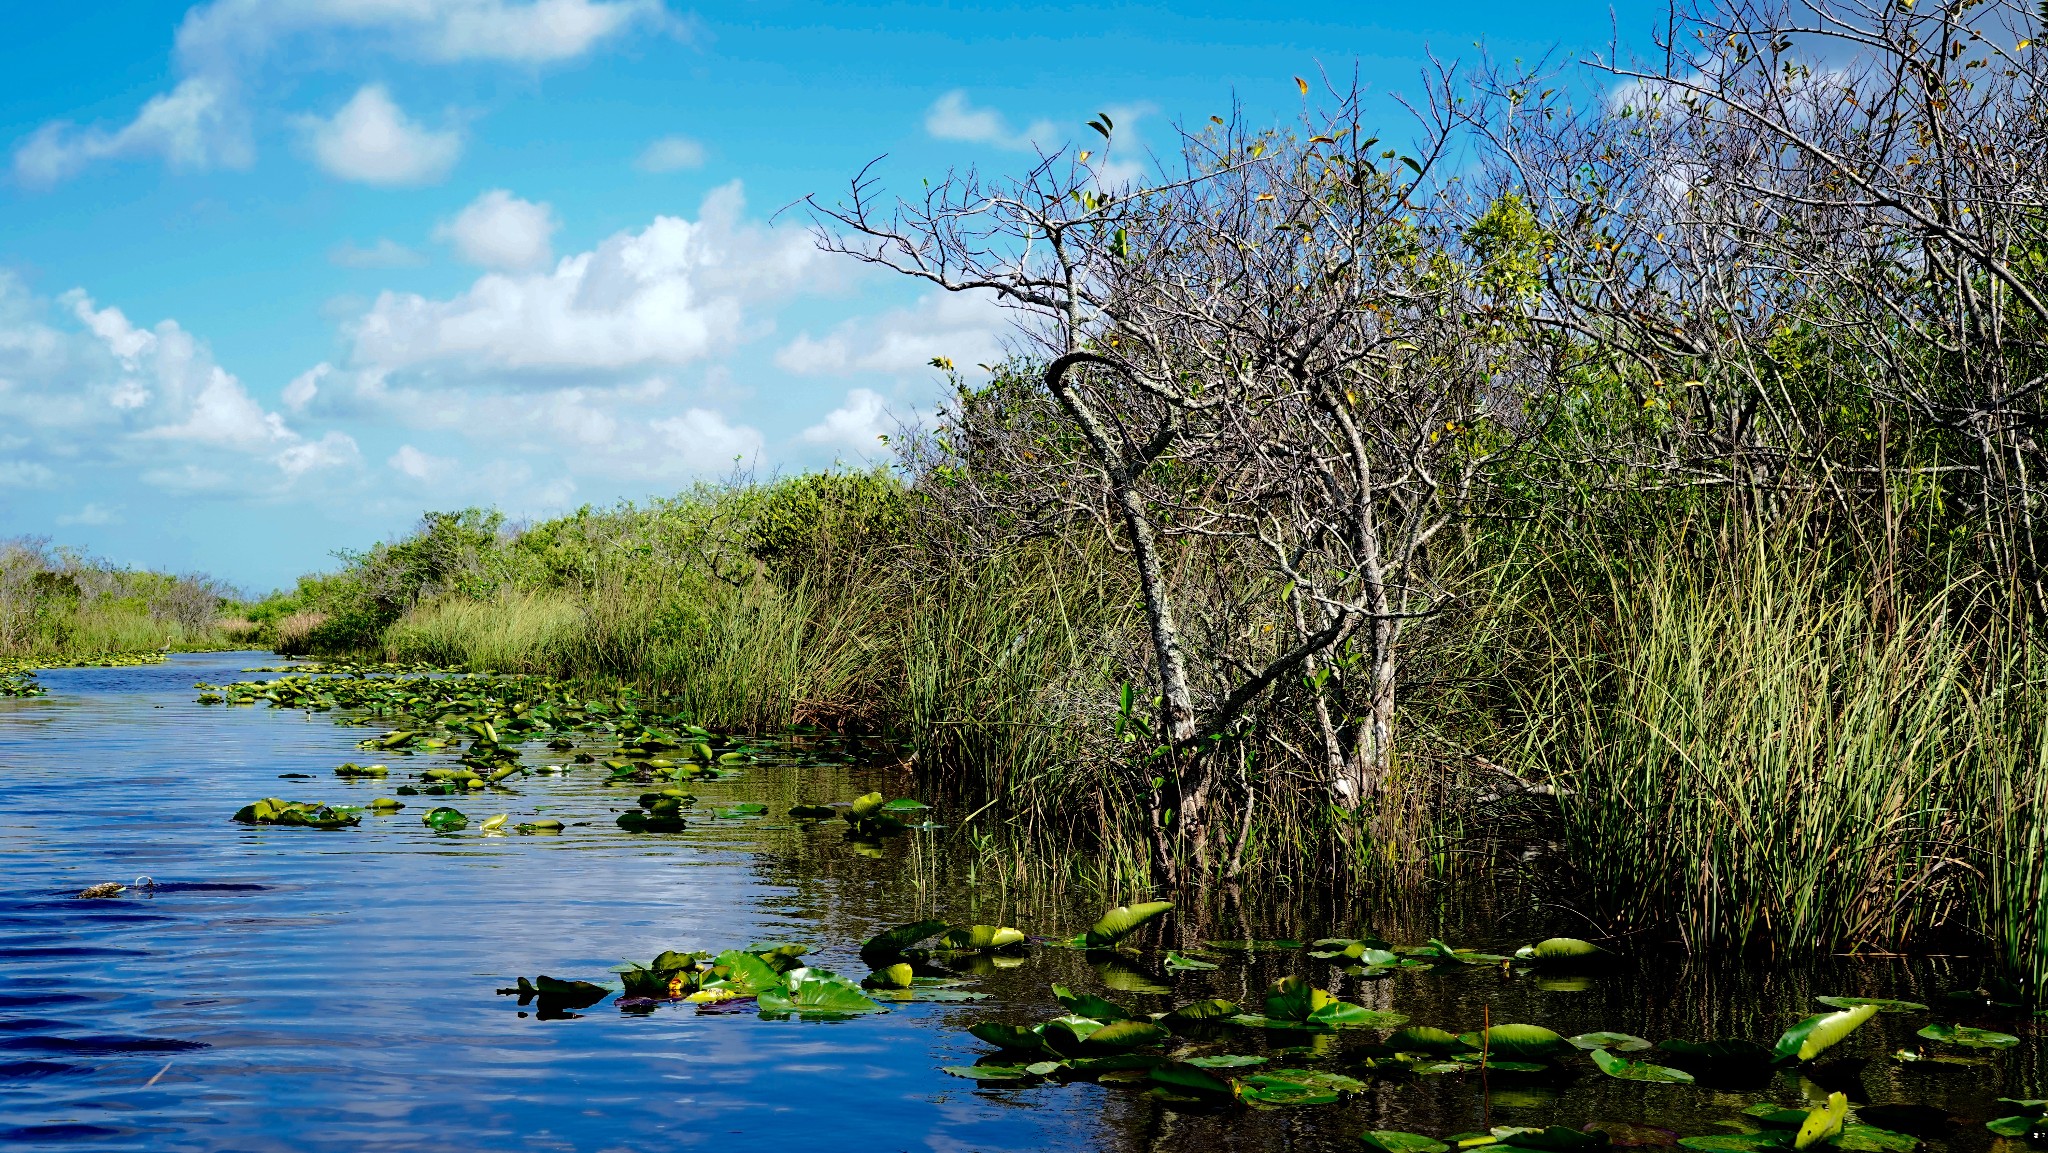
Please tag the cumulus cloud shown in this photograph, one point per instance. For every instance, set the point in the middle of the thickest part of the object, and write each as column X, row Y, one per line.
column 370, row 140
column 671, row 154
column 229, row 31
column 201, row 124
column 953, row 117
column 85, row 385
column 966, row 327
column 386, row 253
column 193, row 126
column 305, row 386
column 500, row 231
column 418, row 465
column 674, row 292
column 860, row 423
column 25, row 474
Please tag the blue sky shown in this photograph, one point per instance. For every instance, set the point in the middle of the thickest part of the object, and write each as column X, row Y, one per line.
column 278, row 275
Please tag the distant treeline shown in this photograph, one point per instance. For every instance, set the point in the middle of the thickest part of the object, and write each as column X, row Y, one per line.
column 59, row 603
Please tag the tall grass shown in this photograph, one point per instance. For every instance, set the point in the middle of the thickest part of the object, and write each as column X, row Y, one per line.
column 1758, row 747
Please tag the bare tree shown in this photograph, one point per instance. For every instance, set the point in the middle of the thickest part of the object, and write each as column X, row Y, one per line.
column 1282, row 367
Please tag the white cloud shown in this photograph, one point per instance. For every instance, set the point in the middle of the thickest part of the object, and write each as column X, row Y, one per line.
column 87, row 387
column 386, row 253
column 859, row 423
column 674, row 292
column 193, row 126
column 370, row 140
column 25, row 474
column 500, row 231
column 305, row 386
column 671, row 154
column 220, row 45
column 968, row 328
column 953, row 117
column 92, row 513
column 229, row 31
column 418, row 465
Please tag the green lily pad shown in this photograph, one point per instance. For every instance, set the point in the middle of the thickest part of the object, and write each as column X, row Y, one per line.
column 2011, row 1126
column 1424, row 1039
column 1395, row 1141
column 1088, row 1005
column 817, row 994
column 991, row 1072
column 1618, row 1042
column 984, row 937
column 1560, row 950
column 1225, row 1061
column 1213, row 1009
column 1519, row 1041
column 1807, row 1039
column 1178, row 962
column 1121, row 922
column 1884, row 1004
column 1627, row 1070
column 1969, row 1037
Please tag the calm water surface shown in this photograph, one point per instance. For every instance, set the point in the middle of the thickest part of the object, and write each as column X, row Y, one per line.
column 304, row 990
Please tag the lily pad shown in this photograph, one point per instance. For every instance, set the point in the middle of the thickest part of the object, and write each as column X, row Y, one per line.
column 303, row 814
column 1627, row 1070
column 1871, row 1139
column 817, row 994
column 1561, row 950
column 1807, row 1039
column 1178, row 962
column 991, row 1072
column 1823, row 1121
column 1212, row 1009
column 1395, row 1141
column 1968, row 1037
column 1618, row 1042
column 1519, row 1041
column 984, row 937
column 1736, row 1142
column 443, row 819
column 1088, row 1005
column 1884, row 1004
column 892, row 942
column 1121, row 922
column 1225, row 1061
column 1423, row 1039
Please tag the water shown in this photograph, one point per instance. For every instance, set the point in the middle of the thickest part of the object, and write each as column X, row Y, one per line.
column 295, row 989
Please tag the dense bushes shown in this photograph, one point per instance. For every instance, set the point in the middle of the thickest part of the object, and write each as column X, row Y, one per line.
column 58, row 603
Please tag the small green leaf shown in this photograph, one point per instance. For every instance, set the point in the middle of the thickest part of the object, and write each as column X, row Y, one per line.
column 1968, row 1037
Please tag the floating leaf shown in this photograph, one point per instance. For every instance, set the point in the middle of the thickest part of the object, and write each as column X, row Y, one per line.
column 1884, row 1004
column 1087, row 1005
column 817, row 994
column 1026, row 1040
column 1210, row 1010
column 1423, row 1039
column 891, row 942
column 1808, row 1038
column 1556, row 1139
column 1345, row 1015
column 1627, row 1070
column 991, row 1072
column 1121, row 922
column 1823, row 1121
column 897, row 976
column 1968, row 1037
column 1225, row 1061
column 1526, row 1041
column 1560, row 949
column 1619, row 1042
column 546, row 825
column 984, row 937
column 1293, row 999
column 1193, row 1079
column 812, row 812
column 1177, row 962
column 444, row 819
column 2011, row 1126
column 303, row 814
column 1119, row 1035
column 493, row 824
column 1394, row 1141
